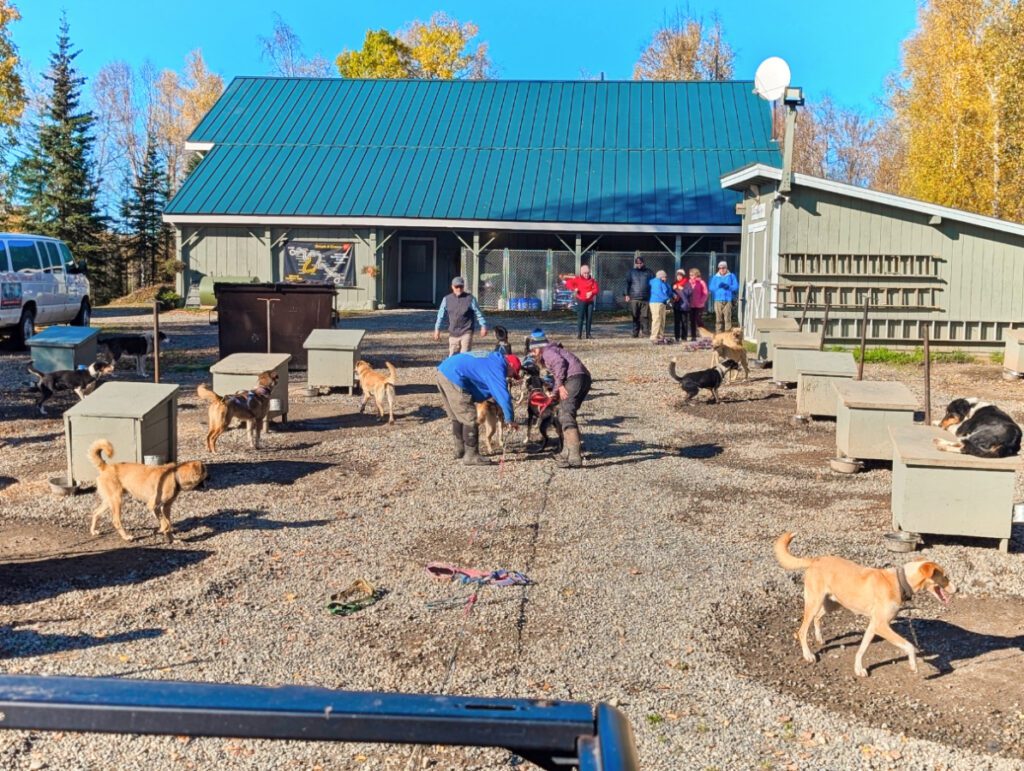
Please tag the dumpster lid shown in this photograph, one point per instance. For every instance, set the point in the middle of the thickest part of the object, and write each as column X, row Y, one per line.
column 875, row 394
column 334, row 339
column 824, row 363
column 249, row 363
column 62, row 337
column 914, row 445
column 278, row 288
column 124, row 400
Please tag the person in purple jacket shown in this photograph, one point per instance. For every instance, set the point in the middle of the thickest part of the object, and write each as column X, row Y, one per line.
column 572, row 382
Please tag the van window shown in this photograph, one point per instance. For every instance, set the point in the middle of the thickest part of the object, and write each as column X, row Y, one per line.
column 54, row 257
column 65, row 253
column 3, row 257
column 24, row 257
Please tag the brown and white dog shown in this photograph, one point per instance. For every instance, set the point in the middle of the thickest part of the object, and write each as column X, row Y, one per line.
column 872, row 592
column 82, row 381
column 379, row 386
column 156, row 486
column 491, row 424
column 250, row 407
column 728, row 345
column 981, row 429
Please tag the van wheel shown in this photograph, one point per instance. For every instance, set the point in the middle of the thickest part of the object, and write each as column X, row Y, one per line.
column 84, row 315
column 26, row 328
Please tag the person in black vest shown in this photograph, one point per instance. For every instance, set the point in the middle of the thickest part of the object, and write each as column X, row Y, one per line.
column 638, row 296
column 463, row 312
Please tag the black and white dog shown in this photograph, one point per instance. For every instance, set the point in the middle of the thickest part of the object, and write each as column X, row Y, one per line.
column 981, row 429
column 710, row 379
column 82, row 381
column 541, row 405
column 138, row 346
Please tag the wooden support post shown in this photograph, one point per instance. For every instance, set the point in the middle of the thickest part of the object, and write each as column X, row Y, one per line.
column 807, row 302
column 927, row 374
column 824, row 322
column 863, row 341
column 156, row 341
column 579, row 253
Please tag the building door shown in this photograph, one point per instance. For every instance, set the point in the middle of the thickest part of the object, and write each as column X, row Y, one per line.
column 417, row 271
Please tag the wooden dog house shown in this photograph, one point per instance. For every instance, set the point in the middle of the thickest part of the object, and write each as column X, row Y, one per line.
column 62, row 348
column 138, row 419
column 766, row 328
column 817, row 371
column 865, row 410
column 784, row 346
column 241, row 372
column 332, row 355
column 945, row 493
column 1013, row 352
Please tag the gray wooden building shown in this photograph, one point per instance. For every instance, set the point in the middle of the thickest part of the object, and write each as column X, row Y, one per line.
column 841, row 244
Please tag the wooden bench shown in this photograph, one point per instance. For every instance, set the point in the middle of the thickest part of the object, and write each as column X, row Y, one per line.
column 241, row 371
column 333, row 354
column 59, row 348
column 865, row 410
column 138, row 419
column 765, row 329
column 816, row 372
column 944, row 493
column 784, row 345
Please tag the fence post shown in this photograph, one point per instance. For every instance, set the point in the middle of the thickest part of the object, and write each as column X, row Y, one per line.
column 548, row 280
column 505, row 275
column 474, row 279
column 679, row 253
column 579, row 255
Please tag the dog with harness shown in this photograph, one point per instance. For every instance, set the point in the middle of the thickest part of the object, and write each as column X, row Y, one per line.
column 250, row 407
column 541, row 405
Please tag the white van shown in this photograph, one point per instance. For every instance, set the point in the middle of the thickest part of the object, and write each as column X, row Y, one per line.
column 39, row 284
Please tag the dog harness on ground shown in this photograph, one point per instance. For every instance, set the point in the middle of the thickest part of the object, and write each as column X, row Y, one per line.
column 905, row 591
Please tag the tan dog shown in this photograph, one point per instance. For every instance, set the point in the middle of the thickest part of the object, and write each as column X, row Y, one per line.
column 250, row 407
column 872, row 592
column 728, row 345
column 379, row 386
column 491, row 421
column 156, row 486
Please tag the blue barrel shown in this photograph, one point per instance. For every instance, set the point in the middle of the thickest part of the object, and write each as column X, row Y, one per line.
column 534, row 304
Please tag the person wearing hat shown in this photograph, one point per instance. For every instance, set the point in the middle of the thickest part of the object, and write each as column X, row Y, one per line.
column 463, row 312
column 723, row 290
column 661, row 296
column 466, row 379
column 681, row 294
column 638, row 295
column 572, row 382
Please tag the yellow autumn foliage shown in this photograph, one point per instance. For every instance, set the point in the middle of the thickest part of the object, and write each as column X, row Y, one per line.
column 12, row 91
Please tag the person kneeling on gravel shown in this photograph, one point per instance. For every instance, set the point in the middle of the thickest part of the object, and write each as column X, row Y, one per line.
column 465, row 380
column 572, row 382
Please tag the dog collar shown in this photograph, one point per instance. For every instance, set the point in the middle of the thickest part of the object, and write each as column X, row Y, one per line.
column 905, row 591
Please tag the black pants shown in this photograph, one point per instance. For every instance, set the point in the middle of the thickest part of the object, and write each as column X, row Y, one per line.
column 696, row 316
column 584, row 317
column 578, row 387
column 640, row 311
column 679, row 319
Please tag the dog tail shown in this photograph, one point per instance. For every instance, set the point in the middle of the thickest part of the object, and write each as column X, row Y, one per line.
column 704, row 332
column 35, row 372
column 207, row 393
column 787, row 560
column 672, row 371
column 392, row 373
column 96, row 450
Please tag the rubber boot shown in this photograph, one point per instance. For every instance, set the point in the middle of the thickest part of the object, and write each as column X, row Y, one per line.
column 572, row 458
column 460, row 446
column 471, row 436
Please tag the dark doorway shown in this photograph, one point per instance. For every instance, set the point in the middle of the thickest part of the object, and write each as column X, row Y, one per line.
column 417, row 271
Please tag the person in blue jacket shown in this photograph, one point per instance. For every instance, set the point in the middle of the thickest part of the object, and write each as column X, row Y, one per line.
column 661, row 296
column 466, row 379
column 723, row 289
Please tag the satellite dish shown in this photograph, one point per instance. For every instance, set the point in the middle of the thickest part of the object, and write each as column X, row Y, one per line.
column 771, row 79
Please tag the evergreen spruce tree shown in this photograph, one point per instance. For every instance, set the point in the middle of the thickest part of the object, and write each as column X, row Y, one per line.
column 57, row 186
column 146, row 234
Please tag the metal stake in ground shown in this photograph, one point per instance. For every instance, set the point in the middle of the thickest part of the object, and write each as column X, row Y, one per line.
column 927, row 374
column 824, row 322
column 863, row 340
column 268, row 300
column 156, row 341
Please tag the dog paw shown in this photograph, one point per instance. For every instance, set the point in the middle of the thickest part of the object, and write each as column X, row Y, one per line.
column 809, row 657
column 860, row 671
column 126, row 537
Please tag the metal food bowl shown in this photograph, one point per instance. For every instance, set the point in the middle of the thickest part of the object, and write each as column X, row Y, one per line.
column 276, row 405
column 901, row 541
column 60, row 487
column 1009, row 374
column 154, row 460
column 845, row 465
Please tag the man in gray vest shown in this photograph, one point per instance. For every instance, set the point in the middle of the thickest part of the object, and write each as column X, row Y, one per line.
column 463, row 312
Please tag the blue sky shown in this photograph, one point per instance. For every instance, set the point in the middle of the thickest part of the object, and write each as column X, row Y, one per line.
column 846, row 50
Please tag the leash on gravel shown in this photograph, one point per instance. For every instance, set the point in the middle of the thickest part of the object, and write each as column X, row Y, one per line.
column 358, row 595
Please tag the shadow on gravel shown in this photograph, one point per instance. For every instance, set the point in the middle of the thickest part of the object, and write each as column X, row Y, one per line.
column 333, row 422
column 416, row 388
column 17, row 441
column 615, row 422
column 766, row 397
column 7, row 482
column 426, row 414
column 701, row 451
column 227, row 474
column 229, row 520
column 53, row 576
column 17, row 643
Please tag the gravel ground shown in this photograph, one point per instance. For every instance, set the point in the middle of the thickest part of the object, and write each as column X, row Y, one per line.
column 656, row 589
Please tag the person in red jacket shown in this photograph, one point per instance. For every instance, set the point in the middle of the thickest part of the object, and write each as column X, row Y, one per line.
column 698, row 299
column 584, row 289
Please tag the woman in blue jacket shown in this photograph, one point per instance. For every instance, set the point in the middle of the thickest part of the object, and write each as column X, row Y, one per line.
column 661, row 296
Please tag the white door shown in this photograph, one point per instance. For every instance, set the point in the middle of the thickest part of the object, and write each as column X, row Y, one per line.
column 60, row 279
column 35, row 284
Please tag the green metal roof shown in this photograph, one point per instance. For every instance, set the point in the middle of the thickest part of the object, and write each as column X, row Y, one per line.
column 588, row 152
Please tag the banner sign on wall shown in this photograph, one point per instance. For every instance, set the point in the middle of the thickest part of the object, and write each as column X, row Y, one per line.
column 331, row 262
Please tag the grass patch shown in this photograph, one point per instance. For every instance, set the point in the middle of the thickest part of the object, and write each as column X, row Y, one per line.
column 996, row 357
column 883, row 355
